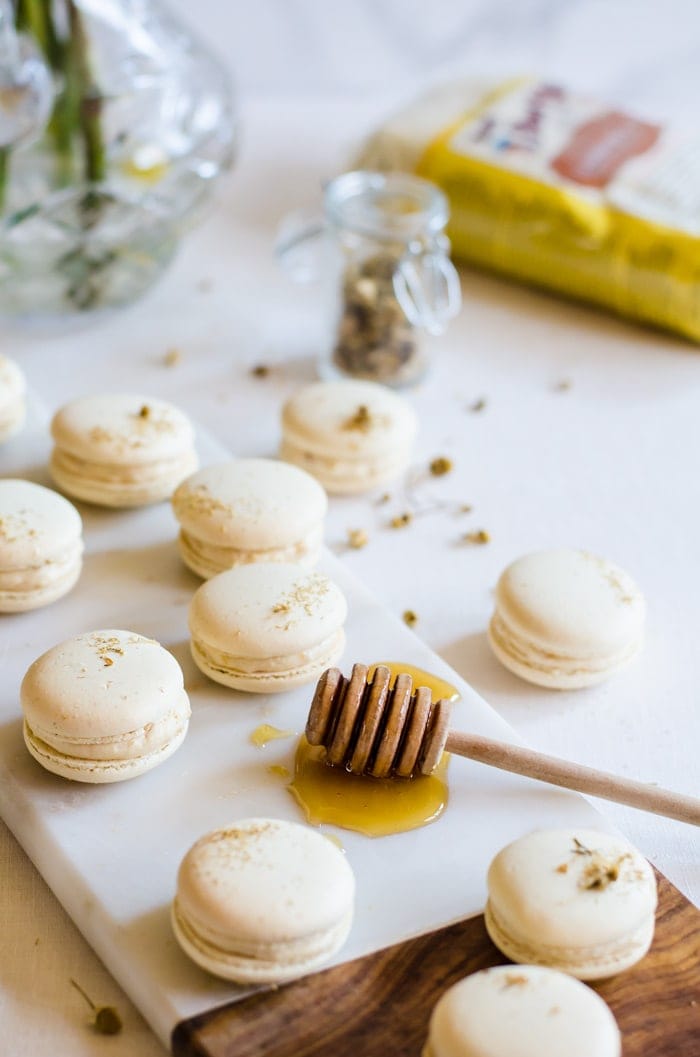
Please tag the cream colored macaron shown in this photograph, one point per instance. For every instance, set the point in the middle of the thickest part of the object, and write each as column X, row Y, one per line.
column 566, row 619
column 104, row 706
column 12, row 398
column 249, row 510
column 522, row 1011
column 265, row 628
column 581, row 901
column 41, row 546
column 121, row 449
column 351, row 435
column 263, row 901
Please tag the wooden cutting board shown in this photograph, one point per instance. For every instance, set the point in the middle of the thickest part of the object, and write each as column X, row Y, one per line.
column 379, row 1006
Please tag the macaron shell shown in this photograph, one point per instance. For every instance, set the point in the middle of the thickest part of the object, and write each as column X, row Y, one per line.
column 522, row 1011
column 348, row 419
column 36, row 525
column 269, row 610
column 570, row 601
column 100, row 685
column 250, row 504
column 121, row 429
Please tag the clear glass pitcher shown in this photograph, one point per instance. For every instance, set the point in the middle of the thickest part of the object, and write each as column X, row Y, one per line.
column 382, row 256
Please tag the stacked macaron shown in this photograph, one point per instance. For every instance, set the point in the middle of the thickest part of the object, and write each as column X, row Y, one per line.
column 41, row 546
column 249, row 510
column 267, row 627
column 103, row 707
column 263, row 901
column 121, row 449
column 353, row 436
column 12, row 398
column 566, row 619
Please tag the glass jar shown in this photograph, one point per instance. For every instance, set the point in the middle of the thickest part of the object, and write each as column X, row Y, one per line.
column 115, row 122
column 384, row 263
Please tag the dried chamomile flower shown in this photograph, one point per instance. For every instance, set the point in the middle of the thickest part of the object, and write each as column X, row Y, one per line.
column 261, row 370
column 410, row 617
column 357, row 538
column 479, row 536
column 401, row 520
column 172, row 357
column 106, row 1019
column 478, row 405
column 440, row 466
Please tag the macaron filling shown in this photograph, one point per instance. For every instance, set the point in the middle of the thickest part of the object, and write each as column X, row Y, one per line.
column 272, row 962
column 518, row 649
column 287, row 666
column 587, row 962
column 208, row 559
column 343, row 470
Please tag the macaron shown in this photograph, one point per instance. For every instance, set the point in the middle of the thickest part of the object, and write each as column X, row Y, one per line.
column 522, row 1011
column 12, row 398
column 103, row 707
column 265, row 628
column 565, row 619
column 41, row 546
column 249, row 510
column 121, row 449
column 353, row 436
column 263, row 901
column 581, row 901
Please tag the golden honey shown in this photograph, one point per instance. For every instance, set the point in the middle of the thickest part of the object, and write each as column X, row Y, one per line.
column 266, row 733
column 376, row 807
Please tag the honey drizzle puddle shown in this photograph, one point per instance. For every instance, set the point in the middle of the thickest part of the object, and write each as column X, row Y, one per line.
column 265, row 733
column 376, row 807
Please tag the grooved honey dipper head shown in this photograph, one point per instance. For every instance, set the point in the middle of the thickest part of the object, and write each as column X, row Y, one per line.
column 376, row 728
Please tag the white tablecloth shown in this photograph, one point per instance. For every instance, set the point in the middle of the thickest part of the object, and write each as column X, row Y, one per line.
column 607, row 463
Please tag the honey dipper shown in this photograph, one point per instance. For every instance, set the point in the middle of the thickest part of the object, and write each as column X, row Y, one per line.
column 371, row 727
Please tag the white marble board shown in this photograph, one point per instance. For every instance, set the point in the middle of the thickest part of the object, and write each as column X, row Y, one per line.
column 110, row 853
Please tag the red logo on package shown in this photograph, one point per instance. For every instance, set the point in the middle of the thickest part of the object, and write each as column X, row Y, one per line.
column 599, row 147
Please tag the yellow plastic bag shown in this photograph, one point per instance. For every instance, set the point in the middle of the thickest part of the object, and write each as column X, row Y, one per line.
column 562, row 191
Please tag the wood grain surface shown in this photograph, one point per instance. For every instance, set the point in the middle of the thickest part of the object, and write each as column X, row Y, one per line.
column 378, row 1006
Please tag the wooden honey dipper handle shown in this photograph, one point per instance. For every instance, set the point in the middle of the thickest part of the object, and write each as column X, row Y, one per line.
column 574, row 776
column 371, row 727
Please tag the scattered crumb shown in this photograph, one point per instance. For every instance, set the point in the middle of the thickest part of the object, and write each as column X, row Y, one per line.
column 261, row 370
column 478, row 536
column 357, row 538
column 107, row 661
column 478, row 405
column 554, row 1010
column 515, row 980
column 410, row 618
column 440, row 466
column 172, row 357
column 401, row 520
column 385, row 498
column 563, row 385
column 145, row 411
column 563, row 868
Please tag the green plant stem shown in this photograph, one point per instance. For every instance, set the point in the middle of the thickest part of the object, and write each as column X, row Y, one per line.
column 4, row 167
column 90, row 101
